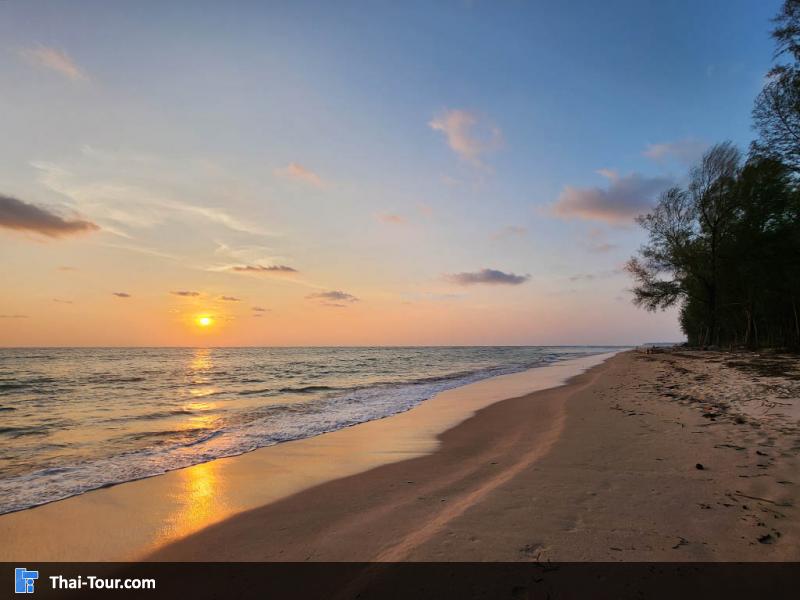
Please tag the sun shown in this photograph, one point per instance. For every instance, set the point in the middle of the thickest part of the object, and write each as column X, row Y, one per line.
column 204, row 321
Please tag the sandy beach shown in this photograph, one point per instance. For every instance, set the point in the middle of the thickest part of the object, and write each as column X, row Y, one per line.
column 132, row 520
column 673, row 456
column 662, row 457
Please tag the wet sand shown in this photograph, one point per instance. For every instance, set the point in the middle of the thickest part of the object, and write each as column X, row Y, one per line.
column 647, row 457
column 130, row 521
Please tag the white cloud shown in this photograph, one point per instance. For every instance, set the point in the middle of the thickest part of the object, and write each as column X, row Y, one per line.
column 116, row 205
column 467, row 135
column 55, row 60
column 685, row 151
column 297, row 172
column 391, row 219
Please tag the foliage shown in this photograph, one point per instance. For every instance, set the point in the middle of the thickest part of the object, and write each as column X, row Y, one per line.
column 727, row 250
column 726, row 247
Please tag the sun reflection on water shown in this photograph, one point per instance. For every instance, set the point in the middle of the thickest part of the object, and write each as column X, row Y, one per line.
column 201, row 360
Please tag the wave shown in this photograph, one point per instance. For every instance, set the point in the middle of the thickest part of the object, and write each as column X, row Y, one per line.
column 15, row 432
column 152, row 416
column 307, row 389
column 108, row 378
column 254, row 392
column 241, row 427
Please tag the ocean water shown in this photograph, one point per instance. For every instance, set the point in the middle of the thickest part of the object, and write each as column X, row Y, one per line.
column 75, row 419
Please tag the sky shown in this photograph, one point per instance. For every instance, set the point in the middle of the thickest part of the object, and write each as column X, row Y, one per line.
column 352, row 173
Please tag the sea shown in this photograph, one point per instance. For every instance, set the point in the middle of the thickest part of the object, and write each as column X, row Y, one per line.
column 77, row 419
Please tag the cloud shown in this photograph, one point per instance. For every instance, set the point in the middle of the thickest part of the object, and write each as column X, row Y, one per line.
column 55, row 60
column 334, row 298
column 102, row 191
column 230, row 299
column 215, row 215
column 21, row 216
column 121, row 294
column 62, row 301
column 466, row 135
column 595, row 240
column 272, row 269
column 624, row 198
column 607, row 173
column 391, row 219
column 185, row 293
column 487, row 276
column 412, row 297
column 425, row 209
column 66, row 268
column 298, row 172
column 14, row 317
column 687, row 150
column 599, row 275
column 259, row 309
column 510, row 231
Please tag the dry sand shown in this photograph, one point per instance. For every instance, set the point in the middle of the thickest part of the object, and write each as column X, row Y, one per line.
column 677, row 456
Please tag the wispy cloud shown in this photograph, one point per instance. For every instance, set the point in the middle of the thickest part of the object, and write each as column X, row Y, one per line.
column 685, row 151
column 297, row 172
column 62, row 301
column 411, row 297
column 391, row 219
column 599, row 275
column 625, row 198
column 334, row 298
column 259, row 309
column 424, row 209
column 509, row 232
column 65, row 268
column 185, row 293
column 264, row 270
column 230, row 299
column 21, row 216
column 14, row 317
column 55, row 60
column 121, row 294
column 115, row 203
column 467, row 135
column 595, row 240
column 486, row 276
column 214, row 214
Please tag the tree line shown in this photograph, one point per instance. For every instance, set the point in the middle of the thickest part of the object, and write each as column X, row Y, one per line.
column 725, row 247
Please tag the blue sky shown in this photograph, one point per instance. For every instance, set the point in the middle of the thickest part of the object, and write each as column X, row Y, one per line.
column 379, row 148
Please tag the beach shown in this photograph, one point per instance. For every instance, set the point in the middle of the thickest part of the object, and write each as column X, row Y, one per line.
column 664, row 456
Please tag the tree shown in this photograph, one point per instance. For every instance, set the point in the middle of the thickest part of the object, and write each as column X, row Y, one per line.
column 776, row 113
column 727, row 250
column 685, row 236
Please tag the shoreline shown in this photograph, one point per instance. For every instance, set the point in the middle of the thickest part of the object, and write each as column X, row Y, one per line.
column 643, row 458
column 166, row 508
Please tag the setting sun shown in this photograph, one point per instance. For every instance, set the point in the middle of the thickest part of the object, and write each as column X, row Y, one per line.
column 204, row 321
